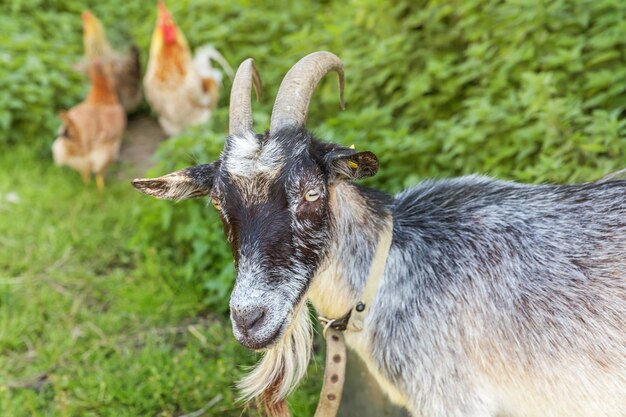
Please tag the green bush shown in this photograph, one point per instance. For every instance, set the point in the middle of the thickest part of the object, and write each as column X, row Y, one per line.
column 35, row 77
column 530, row 90
column 526, row 90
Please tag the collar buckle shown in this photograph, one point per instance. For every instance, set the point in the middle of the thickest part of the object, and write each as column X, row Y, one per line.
column 339, row 324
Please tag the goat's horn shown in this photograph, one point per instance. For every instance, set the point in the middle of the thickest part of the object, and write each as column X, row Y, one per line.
column 240, row 101
column 293, row 98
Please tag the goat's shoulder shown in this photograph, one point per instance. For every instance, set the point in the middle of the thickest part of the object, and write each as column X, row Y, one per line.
column 446, row 200
column 476, row 193
column 485, row 208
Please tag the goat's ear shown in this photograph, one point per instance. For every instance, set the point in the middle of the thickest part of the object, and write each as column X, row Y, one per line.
column 187, row 183
column 348, row 164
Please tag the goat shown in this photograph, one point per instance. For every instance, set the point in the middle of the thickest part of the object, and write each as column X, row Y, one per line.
column 497, row 298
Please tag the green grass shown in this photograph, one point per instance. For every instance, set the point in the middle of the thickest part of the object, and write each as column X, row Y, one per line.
column 91, row 327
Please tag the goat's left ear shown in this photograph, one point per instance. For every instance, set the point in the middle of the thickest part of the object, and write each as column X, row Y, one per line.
column 180, row 185
column 348, row 164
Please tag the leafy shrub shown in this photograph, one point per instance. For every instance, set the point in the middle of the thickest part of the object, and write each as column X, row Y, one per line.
column 529, row 90
column 525, row 90
column 35, row 79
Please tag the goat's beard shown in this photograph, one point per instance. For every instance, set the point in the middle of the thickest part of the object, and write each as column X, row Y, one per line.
column 282, row 367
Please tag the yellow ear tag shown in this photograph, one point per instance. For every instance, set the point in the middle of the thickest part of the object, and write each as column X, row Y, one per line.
column 353, row 164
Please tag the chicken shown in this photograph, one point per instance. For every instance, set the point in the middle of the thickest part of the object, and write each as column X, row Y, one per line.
column 91, row 134
column 181, row 89
column 126, row 66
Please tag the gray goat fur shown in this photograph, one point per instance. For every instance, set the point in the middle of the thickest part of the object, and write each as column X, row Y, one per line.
column 501, row 299
column 497, row 298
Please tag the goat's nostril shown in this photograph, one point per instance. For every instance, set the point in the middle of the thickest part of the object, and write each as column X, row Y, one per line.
column 248, row 319
column 254, row 318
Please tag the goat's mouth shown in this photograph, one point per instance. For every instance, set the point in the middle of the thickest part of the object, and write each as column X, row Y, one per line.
column 263, row 339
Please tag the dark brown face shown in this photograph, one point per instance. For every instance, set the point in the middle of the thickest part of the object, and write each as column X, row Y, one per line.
column 273, row 197
column 276, row 220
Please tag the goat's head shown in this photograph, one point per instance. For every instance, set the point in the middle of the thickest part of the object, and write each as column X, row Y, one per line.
column 273, row 192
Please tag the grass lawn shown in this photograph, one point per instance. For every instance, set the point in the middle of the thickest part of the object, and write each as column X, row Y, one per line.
column 88, row 327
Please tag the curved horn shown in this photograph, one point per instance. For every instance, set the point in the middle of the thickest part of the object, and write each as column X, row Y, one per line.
column 292, row 101
column 247, row 76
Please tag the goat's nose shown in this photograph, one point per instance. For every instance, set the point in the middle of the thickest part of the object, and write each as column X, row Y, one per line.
column 248, row 318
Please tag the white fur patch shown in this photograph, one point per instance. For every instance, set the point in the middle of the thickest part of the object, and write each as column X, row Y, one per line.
column 253, row 165
column 248, row 158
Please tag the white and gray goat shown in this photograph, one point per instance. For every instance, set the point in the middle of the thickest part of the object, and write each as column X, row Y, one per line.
column 497, row 298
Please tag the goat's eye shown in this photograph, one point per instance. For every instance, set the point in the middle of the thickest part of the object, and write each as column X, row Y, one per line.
column 312, row 195
column 216, row 203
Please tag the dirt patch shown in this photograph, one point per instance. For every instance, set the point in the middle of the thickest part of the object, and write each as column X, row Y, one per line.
column 141, row 139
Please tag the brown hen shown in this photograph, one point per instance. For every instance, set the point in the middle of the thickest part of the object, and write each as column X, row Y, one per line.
column 91, row 134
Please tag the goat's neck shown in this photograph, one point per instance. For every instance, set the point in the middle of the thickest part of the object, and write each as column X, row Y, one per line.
column 358, row 218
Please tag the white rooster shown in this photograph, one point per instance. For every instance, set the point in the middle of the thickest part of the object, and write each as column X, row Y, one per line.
column 182, row 90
